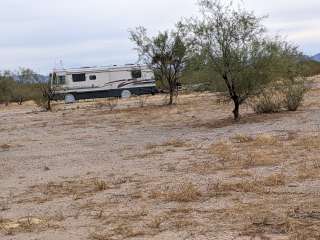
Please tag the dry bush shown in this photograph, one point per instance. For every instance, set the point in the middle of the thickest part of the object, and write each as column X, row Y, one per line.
column 294, row 94
column 269, row 101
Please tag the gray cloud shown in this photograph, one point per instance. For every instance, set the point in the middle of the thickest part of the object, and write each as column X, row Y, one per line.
column 40, row 33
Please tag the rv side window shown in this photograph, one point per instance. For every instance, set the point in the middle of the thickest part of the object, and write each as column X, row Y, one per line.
column 136, row 73
column 79, row 77
column 62, row 80
column 92, row 77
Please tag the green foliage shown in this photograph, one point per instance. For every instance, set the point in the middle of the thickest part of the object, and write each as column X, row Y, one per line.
column 311, row 68
column 25, row 88
column 165, row 54
column 7, row 86
column 238, row 50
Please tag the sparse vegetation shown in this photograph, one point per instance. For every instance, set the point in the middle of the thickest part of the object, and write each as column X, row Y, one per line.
column 147, row 171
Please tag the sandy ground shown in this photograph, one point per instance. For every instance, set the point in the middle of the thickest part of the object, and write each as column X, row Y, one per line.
column 146, row 171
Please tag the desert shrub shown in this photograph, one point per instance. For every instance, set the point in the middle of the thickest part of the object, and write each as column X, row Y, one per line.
column 293, row 95
column 311, row 68
column 40, row 101
column 270, row 101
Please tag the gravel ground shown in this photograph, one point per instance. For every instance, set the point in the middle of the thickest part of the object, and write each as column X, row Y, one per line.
column 85, row 172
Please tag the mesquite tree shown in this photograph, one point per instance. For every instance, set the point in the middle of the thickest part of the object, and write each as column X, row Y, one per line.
column 165, row 54
column 238, row 49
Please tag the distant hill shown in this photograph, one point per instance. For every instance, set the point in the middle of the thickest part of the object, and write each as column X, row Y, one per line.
column 316, row 57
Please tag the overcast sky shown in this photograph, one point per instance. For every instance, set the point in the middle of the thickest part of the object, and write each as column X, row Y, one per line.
column 42, row 33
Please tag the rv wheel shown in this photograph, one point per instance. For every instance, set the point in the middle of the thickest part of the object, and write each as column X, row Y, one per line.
column 69, row 98
column 125, row 94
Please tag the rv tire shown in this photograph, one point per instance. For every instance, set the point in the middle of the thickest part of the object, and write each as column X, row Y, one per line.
column 69, row 98
column 125, row 94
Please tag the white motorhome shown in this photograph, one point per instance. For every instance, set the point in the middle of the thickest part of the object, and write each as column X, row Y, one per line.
column 100, row 82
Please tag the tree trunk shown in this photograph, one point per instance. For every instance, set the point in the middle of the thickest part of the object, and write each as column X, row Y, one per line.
column 49, row 105
column 171, row 97
column 236, row 108
column 20, row 100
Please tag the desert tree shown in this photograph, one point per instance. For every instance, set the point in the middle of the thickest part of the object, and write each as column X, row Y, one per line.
column 238, row 49
column 46, row 93
column 165, row 54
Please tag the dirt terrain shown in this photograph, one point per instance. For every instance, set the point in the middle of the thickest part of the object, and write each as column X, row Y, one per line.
column 135, row 169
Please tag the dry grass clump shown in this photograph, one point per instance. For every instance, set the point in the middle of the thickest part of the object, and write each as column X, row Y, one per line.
column 244, row 153
column 206, row 168
column 156, row 222
column 23, row 225
column 222, row 150
column 266, row 139
column 220, row 188
column 242, row 138
column 77, row 189
column 100, row 185
column 120, row 232
column 176, row 143
column 277, row 179
column 245, row 186
column 305, row 172
column 184, row 192
column 299, row 223
column 263, row 222
column 308, row 142
column 256, row 159
column 259, row 140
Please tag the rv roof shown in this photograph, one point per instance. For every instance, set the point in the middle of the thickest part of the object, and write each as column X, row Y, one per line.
column 102, row 68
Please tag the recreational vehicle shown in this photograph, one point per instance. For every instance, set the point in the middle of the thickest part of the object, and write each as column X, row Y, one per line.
column 101, row 82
